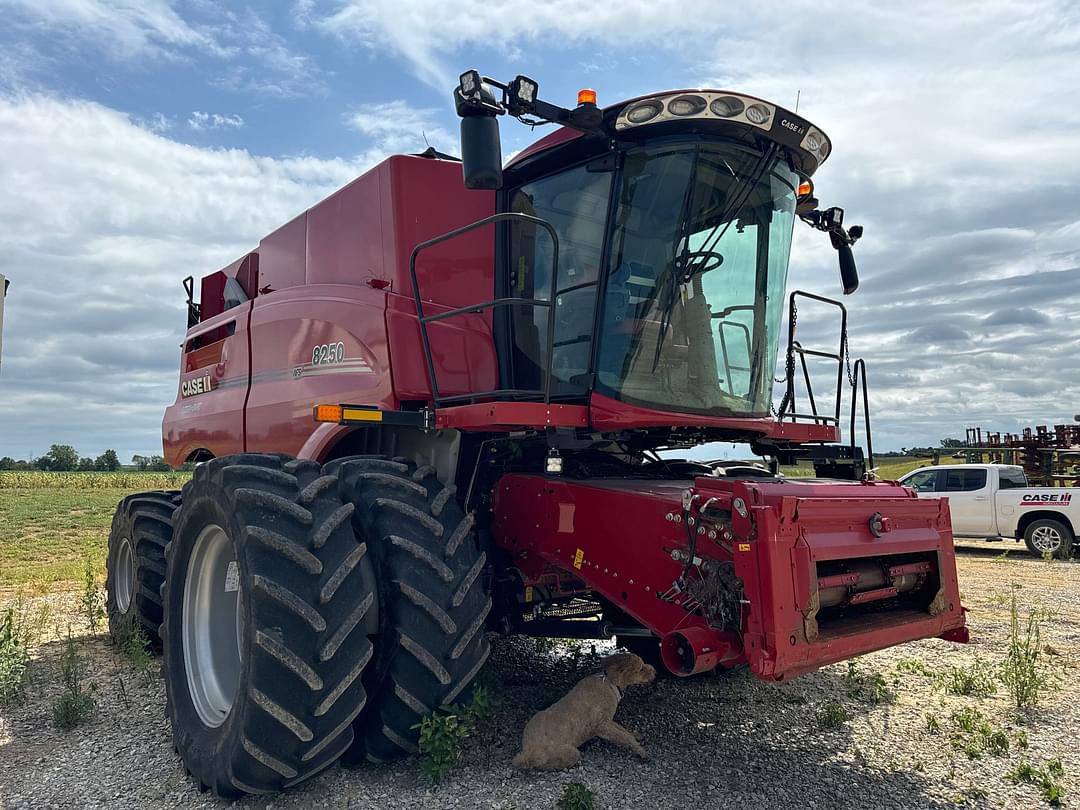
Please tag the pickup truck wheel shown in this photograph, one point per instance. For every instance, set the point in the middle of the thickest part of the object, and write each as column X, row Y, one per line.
column 1047, row 536
column 269, row 605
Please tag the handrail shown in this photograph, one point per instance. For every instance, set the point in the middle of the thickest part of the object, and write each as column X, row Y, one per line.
column 860, row 365
column 787, row 405
column 857, row 378
column 496, row 302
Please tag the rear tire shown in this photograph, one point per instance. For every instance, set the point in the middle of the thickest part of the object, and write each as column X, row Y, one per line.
column 1048, row 536
column 135, row 568
column 433, row 600
column 268, row 607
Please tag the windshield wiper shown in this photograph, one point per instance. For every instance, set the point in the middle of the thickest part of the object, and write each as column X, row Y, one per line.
column 742, row 191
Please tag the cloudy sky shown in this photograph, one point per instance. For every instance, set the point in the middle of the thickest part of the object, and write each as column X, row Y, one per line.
column 145, row 140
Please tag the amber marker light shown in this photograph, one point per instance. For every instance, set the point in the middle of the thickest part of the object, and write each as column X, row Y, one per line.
column 328, row 413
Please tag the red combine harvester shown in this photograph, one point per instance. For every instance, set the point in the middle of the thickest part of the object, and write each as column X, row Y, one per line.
column 427, row 410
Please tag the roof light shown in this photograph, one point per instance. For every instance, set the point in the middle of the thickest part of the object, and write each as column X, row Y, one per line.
column 806, row 188
column 727, row 106
column 645, row 111
column 722, row 109
column 757, row 114
column 686, row 105
column 586, row 96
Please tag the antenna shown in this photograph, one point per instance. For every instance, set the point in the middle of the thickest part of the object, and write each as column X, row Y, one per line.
column 798, row 95
column 424, row 134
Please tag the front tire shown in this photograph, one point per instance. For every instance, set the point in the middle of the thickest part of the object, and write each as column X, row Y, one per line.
column 135, row 568
column 433, row 600
column 1047, row 536
column 269, row 603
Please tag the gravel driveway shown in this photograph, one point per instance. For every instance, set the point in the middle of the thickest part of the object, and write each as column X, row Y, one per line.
column 716, row 741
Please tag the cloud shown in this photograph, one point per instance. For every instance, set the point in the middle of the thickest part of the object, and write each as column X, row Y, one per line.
column 955, row 145
column 1018, row 316
column 938, row 334
column 396, row 127
column 127, row 27
column 100, row 227
column 238, row 50
column 202, row 120
column 427, row 32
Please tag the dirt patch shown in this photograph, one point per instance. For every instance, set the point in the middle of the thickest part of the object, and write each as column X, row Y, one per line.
column 715, row 741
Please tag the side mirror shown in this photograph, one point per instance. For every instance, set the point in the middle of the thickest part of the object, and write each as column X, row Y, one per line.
column 481, row 152
column 849, row 274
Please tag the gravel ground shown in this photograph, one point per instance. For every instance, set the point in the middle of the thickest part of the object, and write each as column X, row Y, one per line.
column 716, row 741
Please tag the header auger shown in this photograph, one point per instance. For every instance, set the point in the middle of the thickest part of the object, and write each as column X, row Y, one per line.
column 495, row 368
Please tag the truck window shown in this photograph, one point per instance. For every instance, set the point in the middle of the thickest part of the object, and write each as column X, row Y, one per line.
column 1012, row 479
column 964, row 480
column 923, row 481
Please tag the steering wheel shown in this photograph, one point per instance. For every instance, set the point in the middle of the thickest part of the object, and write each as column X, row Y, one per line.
column 694, row 262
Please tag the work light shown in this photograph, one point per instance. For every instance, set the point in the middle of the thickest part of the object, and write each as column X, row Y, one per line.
column 469, row 84
column 522, row 94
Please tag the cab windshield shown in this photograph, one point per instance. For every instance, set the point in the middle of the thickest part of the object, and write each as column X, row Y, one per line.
column 699, row 246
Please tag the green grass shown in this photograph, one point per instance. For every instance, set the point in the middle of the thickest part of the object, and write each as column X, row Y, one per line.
column 888, row 469
column 53, row 523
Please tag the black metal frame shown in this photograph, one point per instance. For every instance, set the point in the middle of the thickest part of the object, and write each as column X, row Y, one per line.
column 517, row 393
column 857, row 380
column 860, row 366
column 787, row 406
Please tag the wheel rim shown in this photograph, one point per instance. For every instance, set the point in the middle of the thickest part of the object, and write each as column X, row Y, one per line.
column 212, row 626
column 124, row 576
column 1046, row 539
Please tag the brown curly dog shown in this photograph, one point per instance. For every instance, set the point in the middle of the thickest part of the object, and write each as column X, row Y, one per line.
column 551, row 738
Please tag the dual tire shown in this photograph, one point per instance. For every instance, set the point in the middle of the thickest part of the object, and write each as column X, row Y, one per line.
column 308, row 612
column 141, row 529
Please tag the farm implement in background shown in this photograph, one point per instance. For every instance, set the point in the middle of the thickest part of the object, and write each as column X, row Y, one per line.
column 1050, row 456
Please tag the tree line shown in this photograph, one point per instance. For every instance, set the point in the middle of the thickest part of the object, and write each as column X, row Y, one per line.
column 65, row 458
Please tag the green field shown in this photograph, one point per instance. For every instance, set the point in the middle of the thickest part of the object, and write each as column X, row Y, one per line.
column 52, row 523
column 888, row 469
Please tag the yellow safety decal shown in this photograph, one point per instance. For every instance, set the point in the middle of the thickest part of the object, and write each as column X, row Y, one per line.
column 361, row 415
column 528, row 593
column 579, row 557
column 744, row 546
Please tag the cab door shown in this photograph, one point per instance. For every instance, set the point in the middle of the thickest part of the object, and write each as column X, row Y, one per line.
column 968, row 491
column 575, row 203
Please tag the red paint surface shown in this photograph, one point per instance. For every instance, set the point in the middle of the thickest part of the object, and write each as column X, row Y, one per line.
column 612, row 414
column 339, row 273
column 621, row 528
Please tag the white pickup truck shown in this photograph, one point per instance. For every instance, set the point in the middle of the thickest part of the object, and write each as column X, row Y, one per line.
column 992, row 501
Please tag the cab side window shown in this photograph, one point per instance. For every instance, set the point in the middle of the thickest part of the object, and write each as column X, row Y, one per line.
column 575, row 203
column 1012, row 479
column 923, row 481
column 964, row 480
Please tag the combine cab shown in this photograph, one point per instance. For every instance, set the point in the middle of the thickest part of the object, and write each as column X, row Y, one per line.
column 428, row 409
